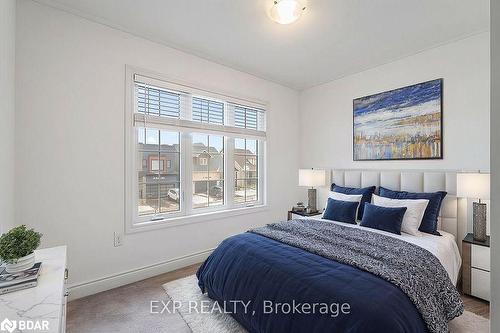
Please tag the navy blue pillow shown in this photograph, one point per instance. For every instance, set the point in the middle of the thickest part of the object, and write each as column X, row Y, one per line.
column 383, row 218
column 365, row 191
column 430, row 218
column 341, row 211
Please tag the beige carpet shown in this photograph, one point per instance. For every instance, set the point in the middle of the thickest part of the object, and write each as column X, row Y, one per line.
column 125, row 309
column 186, row 290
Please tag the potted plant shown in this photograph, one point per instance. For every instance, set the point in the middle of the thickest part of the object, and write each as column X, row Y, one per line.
column 17, row 248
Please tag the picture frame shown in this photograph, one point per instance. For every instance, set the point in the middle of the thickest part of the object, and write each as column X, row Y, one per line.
column 400, row 124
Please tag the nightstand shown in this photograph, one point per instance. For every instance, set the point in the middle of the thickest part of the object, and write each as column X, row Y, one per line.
column 476, row 267
column 301, row 215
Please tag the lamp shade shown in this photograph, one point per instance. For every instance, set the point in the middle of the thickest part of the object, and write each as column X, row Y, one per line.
column 312, row 177
column 473, row 185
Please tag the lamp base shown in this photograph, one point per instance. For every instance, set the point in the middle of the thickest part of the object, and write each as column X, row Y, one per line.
column 311, row 196
column 479, row 221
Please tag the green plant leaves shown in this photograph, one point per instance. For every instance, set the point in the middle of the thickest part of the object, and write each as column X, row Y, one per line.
column 18, row 242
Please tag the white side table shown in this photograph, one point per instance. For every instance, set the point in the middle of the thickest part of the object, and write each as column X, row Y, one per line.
column 44, row 304
column 476, row 267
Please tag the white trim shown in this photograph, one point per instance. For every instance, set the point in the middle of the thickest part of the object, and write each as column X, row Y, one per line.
column 196, row 218
column 129, row 147
column 104, row 283
column 189, row 125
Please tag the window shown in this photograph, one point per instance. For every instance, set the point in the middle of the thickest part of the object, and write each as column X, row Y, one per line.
column 191, row 152
column 156, row 164
column 207, row 111
column 246, row 170
column 202, row 160
column 245, row 118
column 155, row 101
column 208, row 173
column 154, row 180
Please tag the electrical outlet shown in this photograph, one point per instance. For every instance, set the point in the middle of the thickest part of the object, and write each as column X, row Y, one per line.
column 118, row 239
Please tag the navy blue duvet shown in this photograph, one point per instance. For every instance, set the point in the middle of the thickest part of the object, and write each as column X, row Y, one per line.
column 264, row 272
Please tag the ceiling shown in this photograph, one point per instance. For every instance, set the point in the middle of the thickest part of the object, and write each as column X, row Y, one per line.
column 334, row 38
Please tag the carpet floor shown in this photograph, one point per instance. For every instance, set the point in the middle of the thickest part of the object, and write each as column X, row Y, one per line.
column 128, row 308
column 186, row 293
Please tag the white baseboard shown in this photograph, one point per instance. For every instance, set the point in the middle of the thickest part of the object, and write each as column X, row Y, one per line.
column 87, row 288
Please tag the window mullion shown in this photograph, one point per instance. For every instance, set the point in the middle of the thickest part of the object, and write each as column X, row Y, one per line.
column 187, row 175
column 186, row 107
column 158, row 183
column 208, row 171
column 245, row 164
column 229, row 182
column 146, row 89
column 261, row 171
column 245, row 127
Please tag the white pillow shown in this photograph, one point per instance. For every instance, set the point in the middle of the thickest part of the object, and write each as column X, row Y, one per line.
column 415, row 209
column 345, row 197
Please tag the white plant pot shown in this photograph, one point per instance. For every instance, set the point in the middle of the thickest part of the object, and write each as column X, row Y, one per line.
column 21, row 264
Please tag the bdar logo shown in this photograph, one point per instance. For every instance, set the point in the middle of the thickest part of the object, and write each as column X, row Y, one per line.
column 7, row 325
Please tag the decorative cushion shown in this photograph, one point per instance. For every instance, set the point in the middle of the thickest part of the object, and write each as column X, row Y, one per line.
column 430, row 218
column 345, row 197
column 341, row 211
column 365, row 191
column 387, row 219
column 415, row 209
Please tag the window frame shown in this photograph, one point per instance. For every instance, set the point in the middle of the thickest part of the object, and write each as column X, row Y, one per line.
column 133, row 198
column 191, row 211
column 260, row 159
column 187, row 213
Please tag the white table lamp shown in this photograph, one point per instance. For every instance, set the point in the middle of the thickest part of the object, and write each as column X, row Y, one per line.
column 476, row 186
column 312, row 178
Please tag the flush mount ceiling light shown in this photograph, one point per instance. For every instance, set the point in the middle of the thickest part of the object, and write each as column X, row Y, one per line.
column 287, row 11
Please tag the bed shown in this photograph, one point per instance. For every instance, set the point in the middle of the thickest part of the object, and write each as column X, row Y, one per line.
column 363, row 280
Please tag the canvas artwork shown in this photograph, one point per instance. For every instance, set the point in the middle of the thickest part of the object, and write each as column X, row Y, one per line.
column 400, row 124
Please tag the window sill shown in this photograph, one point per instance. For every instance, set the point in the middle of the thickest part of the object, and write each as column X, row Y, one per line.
column 191, row 219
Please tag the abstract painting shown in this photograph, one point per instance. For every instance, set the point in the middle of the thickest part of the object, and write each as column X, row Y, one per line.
column 400, row 124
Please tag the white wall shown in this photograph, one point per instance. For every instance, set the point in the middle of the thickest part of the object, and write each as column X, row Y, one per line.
column 7, row 98
column 495, row 166
column 70, row 142
column 464, row 65
column 326, row 110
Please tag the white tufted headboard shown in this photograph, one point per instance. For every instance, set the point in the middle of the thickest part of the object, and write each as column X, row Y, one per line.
column 453, row 215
